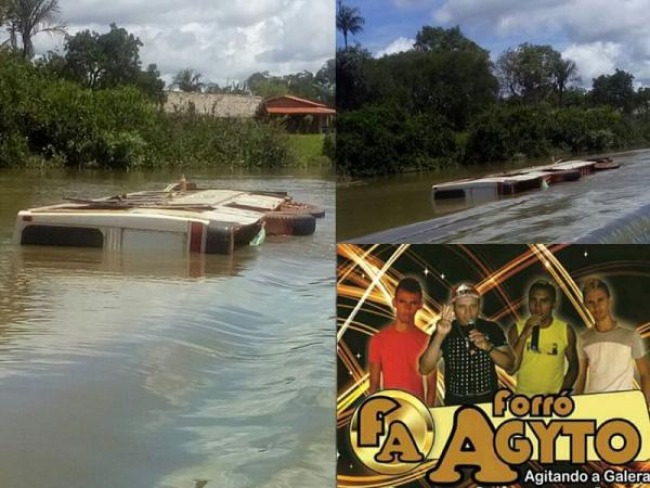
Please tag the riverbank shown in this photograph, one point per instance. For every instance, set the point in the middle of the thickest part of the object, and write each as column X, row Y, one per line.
column 458, row 171
column 380, row 141
column 305, row 151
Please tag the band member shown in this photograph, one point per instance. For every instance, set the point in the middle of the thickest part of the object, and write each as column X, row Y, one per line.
column 544, row 346
column 610, row 351
column 394, row 351
column 470, row 346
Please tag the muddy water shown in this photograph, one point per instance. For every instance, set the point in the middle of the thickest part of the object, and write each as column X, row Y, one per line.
column 607, row 207
column 166, row 371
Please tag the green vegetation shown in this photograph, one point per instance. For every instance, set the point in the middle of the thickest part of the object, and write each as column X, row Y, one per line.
column 446, row 103
column 319, row 87
column 389, row 138
column 103, row 61
column 97, row 106
column 309, row 149
column 49, row 120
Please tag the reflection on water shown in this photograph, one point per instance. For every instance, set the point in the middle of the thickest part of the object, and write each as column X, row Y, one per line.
column 156, row 370
column 562, row 213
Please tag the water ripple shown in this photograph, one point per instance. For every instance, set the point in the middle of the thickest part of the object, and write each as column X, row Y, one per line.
column 607, row 207
column 216, row 368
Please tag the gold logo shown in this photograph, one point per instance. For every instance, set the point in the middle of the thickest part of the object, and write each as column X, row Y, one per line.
column 392, row 432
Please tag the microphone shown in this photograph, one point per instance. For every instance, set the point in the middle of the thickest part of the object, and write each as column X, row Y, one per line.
column 534, row 339
column 471, row 325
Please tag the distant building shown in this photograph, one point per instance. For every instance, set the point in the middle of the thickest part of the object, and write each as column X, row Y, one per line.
column 214, row 104
column 301, row 115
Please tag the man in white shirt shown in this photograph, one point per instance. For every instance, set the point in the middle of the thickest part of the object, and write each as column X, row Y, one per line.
column 609, row 351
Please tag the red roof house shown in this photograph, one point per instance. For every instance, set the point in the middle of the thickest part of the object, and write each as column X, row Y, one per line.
column 301, row 115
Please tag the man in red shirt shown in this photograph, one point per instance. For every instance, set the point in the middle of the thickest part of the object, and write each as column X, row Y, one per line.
column 393, row 353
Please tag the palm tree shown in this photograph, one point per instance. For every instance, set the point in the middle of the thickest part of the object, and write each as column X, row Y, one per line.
column 29, row 17
column 563, row 72
column 187, row 80
column 349, row 20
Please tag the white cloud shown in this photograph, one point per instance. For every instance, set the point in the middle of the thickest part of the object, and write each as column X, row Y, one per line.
column 398, row 45
column 225, row 41
column 600, row 34
column 492, row 12
column 594, row 59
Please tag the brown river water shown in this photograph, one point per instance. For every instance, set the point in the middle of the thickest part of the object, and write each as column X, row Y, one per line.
column 166, row 371
column 606, row 207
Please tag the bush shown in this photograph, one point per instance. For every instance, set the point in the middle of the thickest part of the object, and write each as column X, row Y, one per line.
column 587, row 130
column 120, row 150
column 380, row 140
column 59, row 121
column 369, row 142
column 329, row 146
column 14, row 150
column 533, row 131
column 505, row 131
column 191, row 139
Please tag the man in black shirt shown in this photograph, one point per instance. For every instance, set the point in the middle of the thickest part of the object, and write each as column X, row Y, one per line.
column 470, row 347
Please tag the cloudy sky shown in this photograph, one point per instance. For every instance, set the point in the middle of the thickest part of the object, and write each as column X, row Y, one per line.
column 225, row 40
column 599, row 35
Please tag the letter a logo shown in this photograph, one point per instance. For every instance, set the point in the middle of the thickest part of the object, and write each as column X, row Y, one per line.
column 392, row 432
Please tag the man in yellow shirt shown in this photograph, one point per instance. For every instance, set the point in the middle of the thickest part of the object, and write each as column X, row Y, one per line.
column 546, row 359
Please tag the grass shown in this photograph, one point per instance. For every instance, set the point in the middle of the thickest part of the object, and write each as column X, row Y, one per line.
column 308, row 148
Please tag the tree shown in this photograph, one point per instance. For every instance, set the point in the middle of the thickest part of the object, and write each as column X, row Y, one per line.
column 302, row 84
column 643, row 101
column 351, row 78
column 187, row 80
column 151, row 85
column 455, row 84
column 535, row 73
column 385, row 139
column 85, row 61
column 52, row 64
column 4, row 6
column 27, row 18
column 439, row 39
column 614, row 90
column 445, row 74
column 233, row 88
column 575, row 97
column 528, row 72
column 101, row 61
column 325, row 82
column 264, row 85
column 348, row 21
column 4, row 13
column 563, row 72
